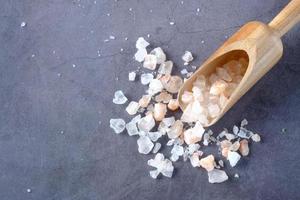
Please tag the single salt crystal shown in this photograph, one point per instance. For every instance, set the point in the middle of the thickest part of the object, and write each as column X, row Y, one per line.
column 235, row 130
column 217, row 176
column 255, row 138
column 118, row 125
column 160, row 111
column 175, row 130
column 132, row 128
column 132, row 108
column 178, row 150
column 235, row 146
column 206, row 139
column 112, row 37
column 140, row 55
column 174, row 157
column 200, row 82
column 159, row 54
column 155, row 86
column 144, row 145
column 208, row 162
column 154, row 136
column 198, row 94
column 131, row 76
column 221, row 163
column 170, row 142
column 194, row 134
column 244, row 122
column 165, row 68
column 187, row 57
column 233, row 158
column 184, row 71
column 192, row 148
column 223, row 74
column 244, row 147
column 195, row 162
column 173, row 84
column 141, row 43
column 144, row 101
column 218, row 87
column 23, row 24
column 187, row 97
column 173, row 104
column 150, row 62
column 213, row 78
column 156, row 147
column 172, row 23
column 213, row 110
column 236, row 176
column 244, row 133
column 136, row 119
column 229, row 136
column 119, row 97
column 164, row 97
column 162, row 165
column 168, row 121
column 146, row 123
column 146, row 78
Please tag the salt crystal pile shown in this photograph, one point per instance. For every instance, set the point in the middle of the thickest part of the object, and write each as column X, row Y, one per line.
column 185, row 134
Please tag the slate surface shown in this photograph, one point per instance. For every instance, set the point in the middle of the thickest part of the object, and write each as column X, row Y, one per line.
column 51, row 140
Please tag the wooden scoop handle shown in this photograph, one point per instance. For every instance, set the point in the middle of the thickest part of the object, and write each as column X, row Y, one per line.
column 287, row 18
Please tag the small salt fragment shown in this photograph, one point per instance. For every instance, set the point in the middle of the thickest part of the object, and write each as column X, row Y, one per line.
column 174, row 157
column 162, row 165
column 244, row 133
column 235, row 130
column 214, row 110
column 173, row 105
column 28, row 190
column 235, row 146
column 140, row 55
column 233, row 158
column 132, row 108
column 221, row 163
column 164, row 97
column 144, row 101
column 166, row 68
column 177, row 150
column 131, row 76
column 175, row 130
column 217, row 176
column 218, row 87
column 146, row 123
column 159, row 54
column 23, row 24
column 118, row 125
column 244, row 122
column 207, row 163
column 244, row 147
column 144, row 145
column 236, row 176
column 154, row 136
column 173, row 84
column 184, row 71
column 195, row 162
column 136, row 119
column 170, row 142
column 112, row 37
column 172, row 23
column 146, row 78
column 256, row 138
column 156, row 147
column 187, row 57
column 141, row 43
column 132, row 128
column 169, row 121
column 150, row 62
column 155, row 86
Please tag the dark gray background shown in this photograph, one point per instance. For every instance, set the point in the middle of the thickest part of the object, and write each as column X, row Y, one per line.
column 51, row 140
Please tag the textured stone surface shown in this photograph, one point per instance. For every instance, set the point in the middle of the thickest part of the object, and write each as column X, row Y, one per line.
column 51, row 140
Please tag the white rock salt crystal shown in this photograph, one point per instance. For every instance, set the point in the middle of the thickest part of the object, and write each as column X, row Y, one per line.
column 132, row 108
column 136, row 119
column 119, row 97
column 144, row 145
column 118, row 125
column 200, row 82
column 154, row 173
column 146, row 78
column 192, row 148
column 218, row 87
column 244, row 133
column 235, row 130
column 131, row 76
column 150, row 62
column 23, row 24
column 146, row 123
column 159, row 54
column 140, row 55
column 169, row 121
column 154, row 136
column 195, row 161
column 256, row 138
column 132, row 128
column 156, row 147
column 141, row 43
column 170, row 142
column 173, row 84
column 166, row 68
column 213, row 110
column 184, row 71
column 174, row 157
column 217, row 176
column 175, row 130
column 233, row 158
column 178, row 150
column 155, row 86
column 223, row 74
column 187, row 57
column 244, row 122
column 162, row 165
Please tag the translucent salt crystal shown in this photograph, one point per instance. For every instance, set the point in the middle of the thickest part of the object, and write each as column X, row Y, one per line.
column 156, row 147
column 221, row 163
column 175, row 130
column 136, row 119
column 174, row 157
column 144, row 101
column 163, row 128
column 223, row 74
column 187, row 97
column 195, row 161
column 159, row 54
column 206, row 139
column 187, row 57
column 146, row 78
column 140, row 55
column 154, row 173
column 233, row 158
column 144, row 145
column 119, row 97
column 162, row 165
column 213, row 78
column 132, row 108
column 226, row 144
column 218, row 87
column 235, row 130
column 165, row 68
column 184, row 71
column 255, row 138
column 118, row 125
column 170, row 142
column 200, row 82
column 229, row 136
column 150, row 62
column 192, row 148
column 173, row 84
column 164, row 97
column 173, row 104
column 213, row 110
column 146, row 123
column 143, row 133
column 244, row 147
column 198, row 94
column 168, row 121
column 141, row 43
column 188, row 115
column 194, row 134
column 235, row 146
column 208, row 163
column 131, row 76
column 217, row 176
column 178, row 150
column 244, row 122
column 244, row 133
column 155, row 86
column 23, row 24
column 154, row 136
column 132, row 128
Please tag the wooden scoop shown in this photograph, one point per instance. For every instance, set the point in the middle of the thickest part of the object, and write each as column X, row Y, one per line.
column 258, row 43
